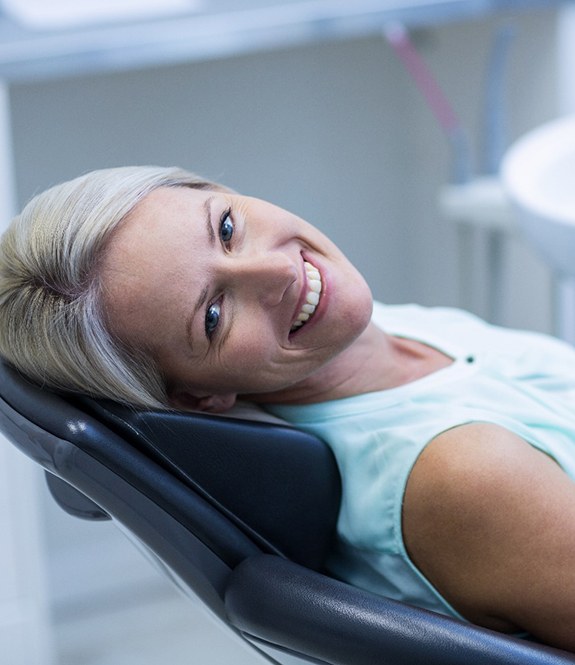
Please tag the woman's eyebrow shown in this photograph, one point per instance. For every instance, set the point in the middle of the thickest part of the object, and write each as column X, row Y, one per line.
column 208, row 217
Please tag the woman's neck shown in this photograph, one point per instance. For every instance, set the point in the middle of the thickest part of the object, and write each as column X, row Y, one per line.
column 374, row 361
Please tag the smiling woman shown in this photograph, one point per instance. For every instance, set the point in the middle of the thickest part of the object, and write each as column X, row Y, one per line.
column 192, row 278
column 455, row 439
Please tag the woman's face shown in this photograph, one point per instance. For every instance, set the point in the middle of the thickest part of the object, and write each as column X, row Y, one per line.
column 213, row 285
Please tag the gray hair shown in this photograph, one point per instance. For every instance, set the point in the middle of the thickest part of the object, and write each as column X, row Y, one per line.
column 52, row 324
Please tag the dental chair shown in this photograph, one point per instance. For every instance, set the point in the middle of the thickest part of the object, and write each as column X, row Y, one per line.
column 241, row 515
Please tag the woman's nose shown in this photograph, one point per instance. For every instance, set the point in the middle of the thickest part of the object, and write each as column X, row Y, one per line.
column 266, row 276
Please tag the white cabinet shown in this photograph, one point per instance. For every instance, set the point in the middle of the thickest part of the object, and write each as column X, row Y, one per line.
column 24, row 625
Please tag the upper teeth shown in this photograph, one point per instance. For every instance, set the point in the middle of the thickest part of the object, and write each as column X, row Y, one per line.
column 312, row 296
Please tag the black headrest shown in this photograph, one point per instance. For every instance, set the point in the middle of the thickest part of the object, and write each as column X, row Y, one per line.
column 277, row 484
column 280, row 484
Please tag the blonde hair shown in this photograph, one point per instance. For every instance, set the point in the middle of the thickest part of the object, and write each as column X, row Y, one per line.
column 52, row 325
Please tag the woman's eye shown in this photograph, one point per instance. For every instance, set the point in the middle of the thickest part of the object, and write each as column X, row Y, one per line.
column 226, row 227
column 212, row 319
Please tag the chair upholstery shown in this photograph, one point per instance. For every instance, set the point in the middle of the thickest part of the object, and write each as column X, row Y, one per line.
column 241, row 515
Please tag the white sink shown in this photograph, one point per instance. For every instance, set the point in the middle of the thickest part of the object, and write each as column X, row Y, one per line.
column 538, row 173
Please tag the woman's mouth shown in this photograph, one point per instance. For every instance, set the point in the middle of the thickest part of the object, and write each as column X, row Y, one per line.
column 312, row 296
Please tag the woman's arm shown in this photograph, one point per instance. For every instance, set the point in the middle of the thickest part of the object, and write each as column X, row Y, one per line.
column 490, row 521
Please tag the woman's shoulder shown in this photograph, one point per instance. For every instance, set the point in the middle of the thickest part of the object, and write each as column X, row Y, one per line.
column 486, row 516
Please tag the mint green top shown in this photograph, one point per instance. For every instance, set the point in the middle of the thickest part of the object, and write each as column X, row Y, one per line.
column 520, row 380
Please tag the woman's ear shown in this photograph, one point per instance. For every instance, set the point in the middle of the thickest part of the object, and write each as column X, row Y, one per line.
column 185, row 401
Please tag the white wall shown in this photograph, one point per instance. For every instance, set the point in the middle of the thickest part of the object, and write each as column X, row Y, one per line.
column 335, row 132
column 566, row 47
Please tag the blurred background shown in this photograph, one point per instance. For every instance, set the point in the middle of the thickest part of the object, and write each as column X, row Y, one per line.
column 315, row 105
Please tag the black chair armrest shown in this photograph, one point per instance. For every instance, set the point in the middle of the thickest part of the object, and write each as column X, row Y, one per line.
column 281, row 603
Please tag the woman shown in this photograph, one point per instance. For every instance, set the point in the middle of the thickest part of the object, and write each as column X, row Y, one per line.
column 455, row 439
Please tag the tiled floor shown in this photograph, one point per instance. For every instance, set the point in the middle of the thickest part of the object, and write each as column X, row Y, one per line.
column 110, row 606
column 168, row 629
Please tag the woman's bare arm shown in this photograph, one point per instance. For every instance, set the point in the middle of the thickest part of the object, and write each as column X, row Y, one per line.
column 490, row 521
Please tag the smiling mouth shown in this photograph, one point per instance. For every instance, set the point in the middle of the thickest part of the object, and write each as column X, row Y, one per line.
column 312, row 296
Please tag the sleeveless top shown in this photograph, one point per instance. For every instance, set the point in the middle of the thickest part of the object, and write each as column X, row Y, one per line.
column 523, row 381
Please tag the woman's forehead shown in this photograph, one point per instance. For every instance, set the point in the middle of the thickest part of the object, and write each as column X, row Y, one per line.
column 154, row 222
column 164, row 201
column 153, row 258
